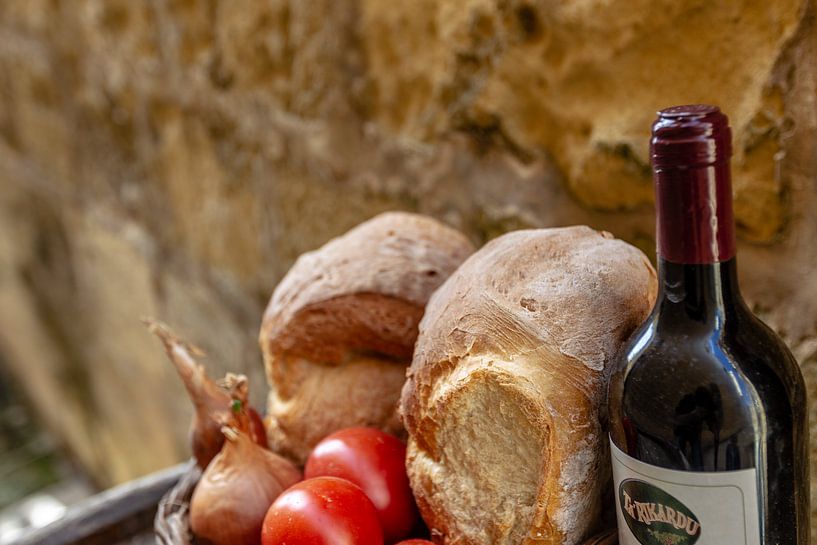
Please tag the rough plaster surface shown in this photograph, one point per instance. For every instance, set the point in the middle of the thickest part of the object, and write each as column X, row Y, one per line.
column 173, row 157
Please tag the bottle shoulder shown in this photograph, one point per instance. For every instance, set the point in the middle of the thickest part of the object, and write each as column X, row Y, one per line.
column 684, row 394
column 753, row 340
column 741, row 347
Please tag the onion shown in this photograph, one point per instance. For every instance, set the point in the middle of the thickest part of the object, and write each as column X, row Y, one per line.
column 237, row 489
column 211, row 402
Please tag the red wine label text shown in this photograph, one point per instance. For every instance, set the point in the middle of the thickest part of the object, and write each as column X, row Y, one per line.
column 655, row 517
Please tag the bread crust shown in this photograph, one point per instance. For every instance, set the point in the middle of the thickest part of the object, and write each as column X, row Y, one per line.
column 505, row 398
column 352, row 305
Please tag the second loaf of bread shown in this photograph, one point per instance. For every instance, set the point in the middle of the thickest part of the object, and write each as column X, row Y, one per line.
column 339, row 330
column 505, row 394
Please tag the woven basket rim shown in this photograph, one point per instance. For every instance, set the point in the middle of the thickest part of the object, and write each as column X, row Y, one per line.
column 172, row 522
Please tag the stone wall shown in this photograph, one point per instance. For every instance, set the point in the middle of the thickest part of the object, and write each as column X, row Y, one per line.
column 172, row 157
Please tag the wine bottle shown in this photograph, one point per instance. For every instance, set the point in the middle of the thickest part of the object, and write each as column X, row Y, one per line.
column 707, row 405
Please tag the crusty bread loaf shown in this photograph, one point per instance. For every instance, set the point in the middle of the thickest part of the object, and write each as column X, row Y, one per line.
column 339, row 330
column 505, row 397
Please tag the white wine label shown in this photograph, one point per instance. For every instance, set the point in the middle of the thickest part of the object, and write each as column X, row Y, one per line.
column 658, row 506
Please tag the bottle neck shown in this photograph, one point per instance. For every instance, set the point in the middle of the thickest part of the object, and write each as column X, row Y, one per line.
column 695, row 224
column 699, row 292
column 689, row 151
column 696, row 242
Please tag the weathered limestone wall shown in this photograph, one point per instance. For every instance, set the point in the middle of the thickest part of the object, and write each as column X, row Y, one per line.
column 172, row 157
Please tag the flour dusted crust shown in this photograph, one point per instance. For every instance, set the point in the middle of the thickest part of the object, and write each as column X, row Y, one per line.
column 339, row 329
column 505, row 395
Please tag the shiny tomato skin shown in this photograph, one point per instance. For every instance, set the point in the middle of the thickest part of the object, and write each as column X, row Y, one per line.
column 416, row 542
column 376, row 462
column 322, row 511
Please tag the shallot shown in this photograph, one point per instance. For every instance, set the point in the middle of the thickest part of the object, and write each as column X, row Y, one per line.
column 237, row 489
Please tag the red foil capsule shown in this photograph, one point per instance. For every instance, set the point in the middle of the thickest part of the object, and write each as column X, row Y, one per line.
column 690, row 150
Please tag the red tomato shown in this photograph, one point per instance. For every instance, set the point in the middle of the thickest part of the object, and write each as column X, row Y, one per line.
column 416, row 542
column 322, row 511
column 376, row 462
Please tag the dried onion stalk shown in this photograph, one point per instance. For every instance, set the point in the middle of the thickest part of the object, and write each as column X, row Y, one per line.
column 212, row 403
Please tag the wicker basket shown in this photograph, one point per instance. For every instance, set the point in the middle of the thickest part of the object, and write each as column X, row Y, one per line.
column 172, row 522
column 608, row 537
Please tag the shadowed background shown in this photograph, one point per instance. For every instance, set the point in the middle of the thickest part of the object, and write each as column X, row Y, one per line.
column 171, row 158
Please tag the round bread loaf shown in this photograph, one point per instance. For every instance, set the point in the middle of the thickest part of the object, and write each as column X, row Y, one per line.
column 339, row 330
column 505, row 398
